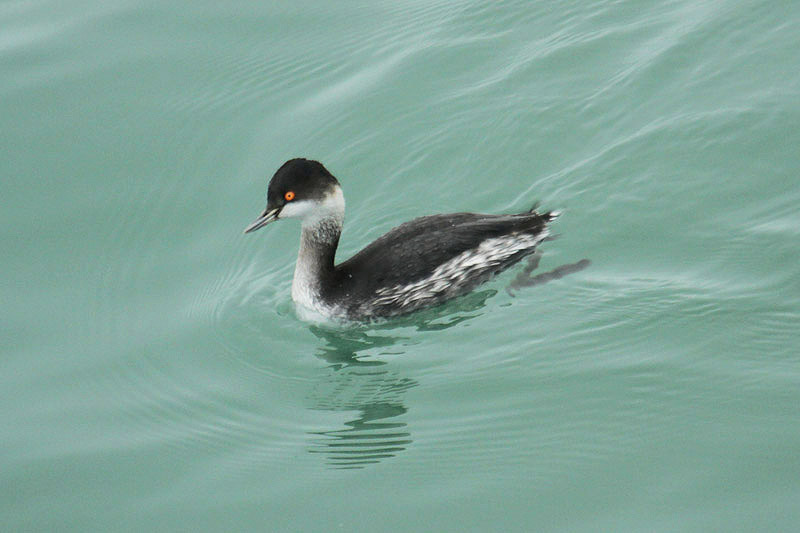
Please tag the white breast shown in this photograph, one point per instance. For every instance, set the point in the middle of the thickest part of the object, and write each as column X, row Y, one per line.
column 305, row 288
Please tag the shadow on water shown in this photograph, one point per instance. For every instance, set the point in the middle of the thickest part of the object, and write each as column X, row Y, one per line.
column 524, row 278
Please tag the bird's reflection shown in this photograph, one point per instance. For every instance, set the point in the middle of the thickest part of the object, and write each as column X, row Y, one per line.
column 359, row 379
column 368, row 388
column 356, row 381
column 376, row 433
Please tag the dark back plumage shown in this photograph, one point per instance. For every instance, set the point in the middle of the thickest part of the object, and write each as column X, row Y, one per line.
column 412, row 252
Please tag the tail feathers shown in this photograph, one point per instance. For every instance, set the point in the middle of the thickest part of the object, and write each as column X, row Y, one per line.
column 549, row 215
column 552, row 215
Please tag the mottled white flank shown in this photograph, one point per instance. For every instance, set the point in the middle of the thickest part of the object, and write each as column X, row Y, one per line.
column 321, row 222
column 449, row 278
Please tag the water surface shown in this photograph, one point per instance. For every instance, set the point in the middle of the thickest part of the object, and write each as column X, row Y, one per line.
column 155, row 374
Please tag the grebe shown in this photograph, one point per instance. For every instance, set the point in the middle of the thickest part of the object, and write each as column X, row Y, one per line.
column 417, row 264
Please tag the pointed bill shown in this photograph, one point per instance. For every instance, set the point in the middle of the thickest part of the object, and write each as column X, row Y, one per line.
column 270, row 215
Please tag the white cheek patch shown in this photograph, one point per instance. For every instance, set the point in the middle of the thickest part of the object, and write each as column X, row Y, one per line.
column 329, row 209
column 298, row 209
column 312, row 212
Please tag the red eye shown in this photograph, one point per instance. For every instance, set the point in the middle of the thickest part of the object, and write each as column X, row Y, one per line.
column 289, row 196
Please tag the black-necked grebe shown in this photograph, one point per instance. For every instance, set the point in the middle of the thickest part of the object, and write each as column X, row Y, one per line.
column 417, row 264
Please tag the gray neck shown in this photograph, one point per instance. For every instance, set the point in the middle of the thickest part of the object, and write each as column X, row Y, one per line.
column 318, row 242
column 321, row 228
column 315, row 262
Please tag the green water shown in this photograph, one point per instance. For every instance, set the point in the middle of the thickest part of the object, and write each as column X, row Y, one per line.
column 155, row 376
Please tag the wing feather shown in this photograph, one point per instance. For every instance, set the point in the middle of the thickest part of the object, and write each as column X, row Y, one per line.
column 402, row 256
